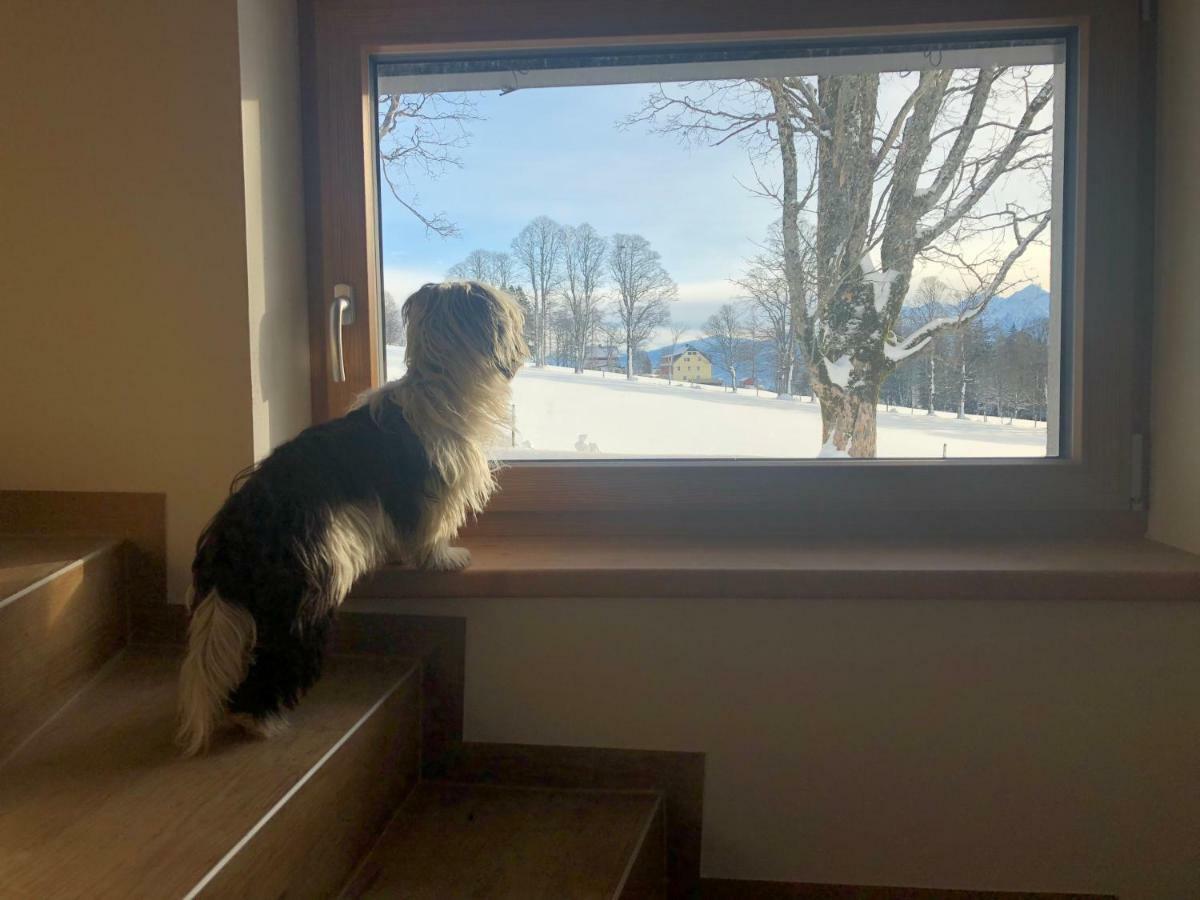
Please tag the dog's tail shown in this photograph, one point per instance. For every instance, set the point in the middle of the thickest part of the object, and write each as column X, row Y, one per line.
column 221, row 639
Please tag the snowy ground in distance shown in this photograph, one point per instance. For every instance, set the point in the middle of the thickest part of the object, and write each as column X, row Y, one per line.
column 560, row 414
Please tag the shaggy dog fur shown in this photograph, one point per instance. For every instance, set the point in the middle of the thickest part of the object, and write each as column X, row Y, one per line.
column 394, row 479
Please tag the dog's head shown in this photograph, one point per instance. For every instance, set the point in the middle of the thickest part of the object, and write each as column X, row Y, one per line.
column 467, row 327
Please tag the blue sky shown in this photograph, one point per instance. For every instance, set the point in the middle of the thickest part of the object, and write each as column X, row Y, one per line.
column 560, row 152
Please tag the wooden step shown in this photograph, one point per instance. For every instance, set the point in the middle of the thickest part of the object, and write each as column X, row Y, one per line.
column 506, row 843
column 100, row 804
column 62, row 616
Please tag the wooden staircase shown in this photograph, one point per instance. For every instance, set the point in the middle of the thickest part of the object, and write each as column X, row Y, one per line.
column 96, row 802
column 470, row 840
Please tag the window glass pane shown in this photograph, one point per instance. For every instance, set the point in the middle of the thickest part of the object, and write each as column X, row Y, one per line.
column 772, row 252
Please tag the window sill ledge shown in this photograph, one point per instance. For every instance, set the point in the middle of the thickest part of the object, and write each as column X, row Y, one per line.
column 526, row 566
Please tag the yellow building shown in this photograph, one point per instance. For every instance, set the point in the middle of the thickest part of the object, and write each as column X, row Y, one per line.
column 689, row 364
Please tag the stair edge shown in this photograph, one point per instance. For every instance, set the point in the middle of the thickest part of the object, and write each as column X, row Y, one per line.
column 210, row 884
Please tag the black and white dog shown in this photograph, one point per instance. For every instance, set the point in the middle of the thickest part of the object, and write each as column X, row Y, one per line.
column 394, row 479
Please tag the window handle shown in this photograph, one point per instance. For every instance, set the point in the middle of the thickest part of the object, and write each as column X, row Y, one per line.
column 341, row 312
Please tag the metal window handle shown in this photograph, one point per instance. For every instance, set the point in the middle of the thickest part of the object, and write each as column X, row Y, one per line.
column 341, row 312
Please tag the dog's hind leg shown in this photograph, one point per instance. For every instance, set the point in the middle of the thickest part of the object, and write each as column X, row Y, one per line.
column 287, row 661
column 221, row 637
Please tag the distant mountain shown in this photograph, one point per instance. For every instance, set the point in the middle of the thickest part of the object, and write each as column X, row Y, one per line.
column 1019, row 310
column 1026, row 307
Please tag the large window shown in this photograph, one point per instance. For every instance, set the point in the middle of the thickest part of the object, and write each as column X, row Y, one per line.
column 781, row 251
column 856, row 261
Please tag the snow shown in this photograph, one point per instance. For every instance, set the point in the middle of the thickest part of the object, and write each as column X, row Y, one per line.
column 556, row 410
column 880, row 281
column 830, row 451
column 902, row 351
column 881, row 285
column 838, row 370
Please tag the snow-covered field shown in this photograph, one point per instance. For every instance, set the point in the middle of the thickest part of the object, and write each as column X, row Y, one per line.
column 561, row 414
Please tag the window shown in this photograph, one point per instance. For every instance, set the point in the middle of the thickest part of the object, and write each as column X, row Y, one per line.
column 654, row 197
column 898, row 288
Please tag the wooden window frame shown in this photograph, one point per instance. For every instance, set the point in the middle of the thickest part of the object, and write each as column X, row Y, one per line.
column 1105, row 368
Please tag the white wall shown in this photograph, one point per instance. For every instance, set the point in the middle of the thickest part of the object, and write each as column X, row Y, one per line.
column 1175, row 428
column 275, row 241
column 1018, row 746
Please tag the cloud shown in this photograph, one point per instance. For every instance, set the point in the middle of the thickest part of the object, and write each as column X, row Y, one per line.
column 400, row 281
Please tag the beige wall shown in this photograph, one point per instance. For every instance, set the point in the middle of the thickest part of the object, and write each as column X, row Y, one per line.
column 1012, row 746
column 1175, row 471
column 125, row 355
column 270, row 70
column 155, row 327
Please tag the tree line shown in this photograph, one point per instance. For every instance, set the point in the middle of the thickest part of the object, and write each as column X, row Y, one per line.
column 971, row 368
column 579, row 288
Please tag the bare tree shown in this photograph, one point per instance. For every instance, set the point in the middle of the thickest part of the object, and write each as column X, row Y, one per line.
column 393, row 320
column 420, row 136
column 644, row 291
column 756, row 332
column 584, row 258
column 932, row 302
column 494, row 267
column 538, row 251
column 726, row 333
column 911, row 180
column 766, row 285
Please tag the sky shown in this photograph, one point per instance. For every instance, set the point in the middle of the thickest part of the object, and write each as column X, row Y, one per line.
column 561, row 152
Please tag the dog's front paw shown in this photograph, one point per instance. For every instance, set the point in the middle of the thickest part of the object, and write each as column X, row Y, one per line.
column 449, row 559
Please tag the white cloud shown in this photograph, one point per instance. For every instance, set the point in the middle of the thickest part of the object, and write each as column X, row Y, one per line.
column 402, row 281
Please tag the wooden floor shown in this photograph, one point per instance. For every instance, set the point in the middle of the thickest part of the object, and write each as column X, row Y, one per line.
column 454, row 840
column 99, row 803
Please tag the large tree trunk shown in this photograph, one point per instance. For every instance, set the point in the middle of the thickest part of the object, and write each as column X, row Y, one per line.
column 848, row 423
column 846, row 316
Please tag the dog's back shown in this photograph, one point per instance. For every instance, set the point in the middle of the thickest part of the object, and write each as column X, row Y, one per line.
column 279, row 557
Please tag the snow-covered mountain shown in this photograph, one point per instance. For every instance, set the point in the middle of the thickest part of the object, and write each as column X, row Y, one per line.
column 1019, row 310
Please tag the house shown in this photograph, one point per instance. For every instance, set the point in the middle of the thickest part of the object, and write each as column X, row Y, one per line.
column 688, row 364
column 604, row 357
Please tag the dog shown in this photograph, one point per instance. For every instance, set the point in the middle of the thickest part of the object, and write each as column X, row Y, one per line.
column 394, row 479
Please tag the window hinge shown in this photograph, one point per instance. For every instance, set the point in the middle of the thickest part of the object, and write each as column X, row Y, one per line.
column 1137, row 472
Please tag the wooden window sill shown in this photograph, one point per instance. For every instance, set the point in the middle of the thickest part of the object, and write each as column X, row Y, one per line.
column 663, row 567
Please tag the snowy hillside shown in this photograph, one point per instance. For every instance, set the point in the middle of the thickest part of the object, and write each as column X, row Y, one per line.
column 560, row 414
